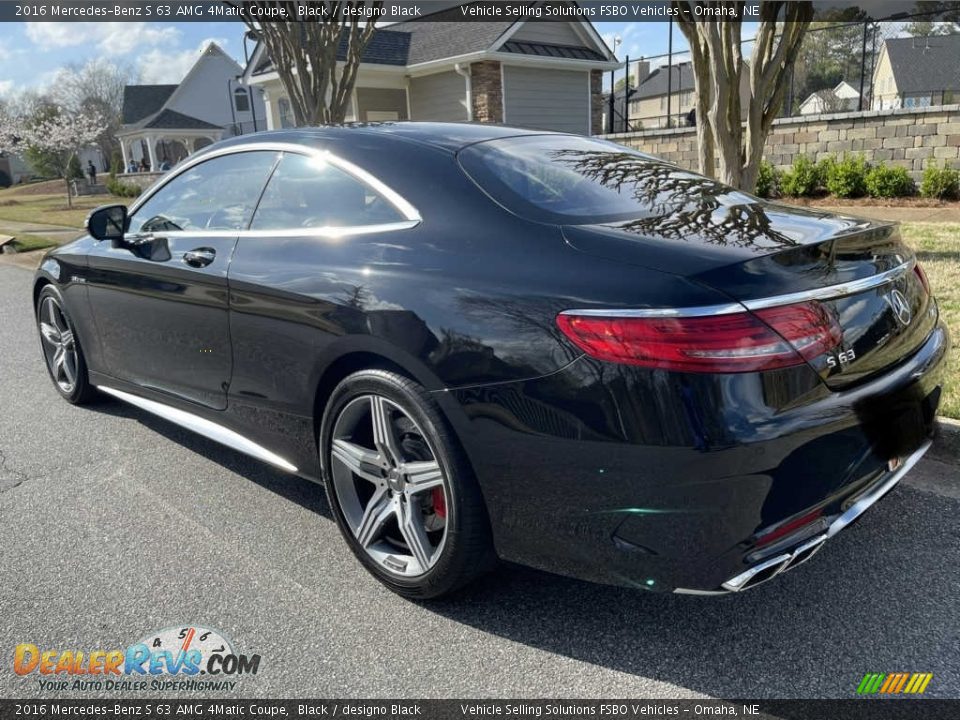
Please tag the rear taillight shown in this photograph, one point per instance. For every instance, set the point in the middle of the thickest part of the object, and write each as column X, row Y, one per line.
column 923, row 277
column 732, row 342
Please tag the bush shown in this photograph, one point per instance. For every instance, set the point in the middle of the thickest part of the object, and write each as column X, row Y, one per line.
column 768, row 180
column 122, row 189
column 802, row 179
column 888, row 182
column 846, row 178
column 940, row 183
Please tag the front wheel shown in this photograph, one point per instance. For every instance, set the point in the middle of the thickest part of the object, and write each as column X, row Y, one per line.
column 402, row 493
column 61, row 349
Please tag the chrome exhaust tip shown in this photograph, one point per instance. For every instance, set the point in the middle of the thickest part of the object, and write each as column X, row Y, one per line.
column 769, row 569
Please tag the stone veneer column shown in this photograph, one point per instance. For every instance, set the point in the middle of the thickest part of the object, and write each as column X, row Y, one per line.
column 487, row 92
column 596, row 102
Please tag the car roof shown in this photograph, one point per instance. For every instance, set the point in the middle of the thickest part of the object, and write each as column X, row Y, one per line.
column 448, row 136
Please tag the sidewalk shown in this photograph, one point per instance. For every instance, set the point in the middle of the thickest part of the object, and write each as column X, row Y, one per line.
column 59, row 232
column 946, row 214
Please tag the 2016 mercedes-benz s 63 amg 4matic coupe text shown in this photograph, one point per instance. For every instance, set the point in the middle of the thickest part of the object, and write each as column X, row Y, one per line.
column 489, row 342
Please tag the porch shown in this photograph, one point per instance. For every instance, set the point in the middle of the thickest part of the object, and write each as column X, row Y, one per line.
column 162, row 140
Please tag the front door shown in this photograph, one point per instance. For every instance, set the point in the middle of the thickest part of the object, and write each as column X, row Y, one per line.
column 160, row 299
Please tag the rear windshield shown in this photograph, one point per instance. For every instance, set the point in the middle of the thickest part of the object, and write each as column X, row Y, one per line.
column 571, row 180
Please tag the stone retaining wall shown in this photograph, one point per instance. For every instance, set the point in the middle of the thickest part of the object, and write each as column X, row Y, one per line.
column 913, row 138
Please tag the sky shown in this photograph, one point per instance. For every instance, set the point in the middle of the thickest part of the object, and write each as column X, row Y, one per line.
column 31, row 53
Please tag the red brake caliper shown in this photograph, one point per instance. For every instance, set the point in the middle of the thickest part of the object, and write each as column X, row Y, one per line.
column 439, row 502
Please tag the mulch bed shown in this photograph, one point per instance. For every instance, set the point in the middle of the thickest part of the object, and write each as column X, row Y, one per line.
column 904, row 202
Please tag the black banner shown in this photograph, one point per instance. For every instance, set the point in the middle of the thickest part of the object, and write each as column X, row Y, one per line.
column 214, row 709
column 595, row 11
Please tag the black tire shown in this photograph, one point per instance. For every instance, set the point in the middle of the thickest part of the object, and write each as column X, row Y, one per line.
column 75, row 388
column 466, row 551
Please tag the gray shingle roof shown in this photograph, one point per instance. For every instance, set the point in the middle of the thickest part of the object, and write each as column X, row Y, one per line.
column 170, row 120
column 410, row 43
column 655, row 83
column 437, row 40
column 925, row 64
column 139, row 101
column 560, row 51
column 386, row 47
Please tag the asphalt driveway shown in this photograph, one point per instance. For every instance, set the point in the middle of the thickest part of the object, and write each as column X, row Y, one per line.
column 114, row 523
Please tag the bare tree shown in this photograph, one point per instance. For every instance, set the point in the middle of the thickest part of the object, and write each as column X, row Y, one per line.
column 727, row 150
column 304, row 54
column 96, row 87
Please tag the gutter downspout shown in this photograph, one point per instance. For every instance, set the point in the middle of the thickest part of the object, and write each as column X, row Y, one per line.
column 465, row 74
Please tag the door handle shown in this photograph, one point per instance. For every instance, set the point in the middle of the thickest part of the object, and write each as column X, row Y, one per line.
column 199, row 257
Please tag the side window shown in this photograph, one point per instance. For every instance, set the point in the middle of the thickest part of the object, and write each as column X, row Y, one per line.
column 240, row 100
column 306, row 192
column 219, row 194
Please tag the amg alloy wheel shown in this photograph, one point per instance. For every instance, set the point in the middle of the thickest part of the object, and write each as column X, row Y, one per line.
column 401, row 491
column 61, row 348
column 390, row 486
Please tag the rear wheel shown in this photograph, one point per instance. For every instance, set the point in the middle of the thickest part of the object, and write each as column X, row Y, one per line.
column 402, row 493
column 61, row 349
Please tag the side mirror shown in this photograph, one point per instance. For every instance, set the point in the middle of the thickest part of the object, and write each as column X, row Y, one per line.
column 107, row 222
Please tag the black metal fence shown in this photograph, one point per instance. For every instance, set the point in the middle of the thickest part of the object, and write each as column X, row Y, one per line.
column 836, row 70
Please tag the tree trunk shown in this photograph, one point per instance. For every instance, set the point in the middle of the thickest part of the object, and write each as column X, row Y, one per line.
column 304, row 54
column 727, row 149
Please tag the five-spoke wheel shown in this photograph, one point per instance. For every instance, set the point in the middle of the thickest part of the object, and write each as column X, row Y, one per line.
column 390, row 485
column 61, row 348
column 401, row 491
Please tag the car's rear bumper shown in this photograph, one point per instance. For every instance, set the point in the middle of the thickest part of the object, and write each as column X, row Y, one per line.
column 665, row 482
column 799, row 552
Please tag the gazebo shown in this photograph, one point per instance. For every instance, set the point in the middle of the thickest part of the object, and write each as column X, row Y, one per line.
column 166, row 136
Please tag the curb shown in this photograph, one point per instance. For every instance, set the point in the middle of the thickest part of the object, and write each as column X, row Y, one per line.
column 946, row 448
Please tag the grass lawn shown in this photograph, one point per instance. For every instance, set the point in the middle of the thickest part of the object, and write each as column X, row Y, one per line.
column 26, row 242
column 938, row 250
column 50, row 209
column 47, row 203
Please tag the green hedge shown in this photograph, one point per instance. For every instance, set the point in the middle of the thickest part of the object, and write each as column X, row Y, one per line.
column 768, row 180
column 802, row 179
column 851, row 176
column 122, row 189
column 940, row 183
column 882, row 181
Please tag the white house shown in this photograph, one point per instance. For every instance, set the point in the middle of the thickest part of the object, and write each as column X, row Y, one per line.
column 917, row 72
column 165, row 123
column 531, row 74
column 843, row 98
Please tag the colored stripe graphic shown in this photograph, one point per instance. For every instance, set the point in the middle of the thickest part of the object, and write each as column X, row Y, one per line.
column 894, row 683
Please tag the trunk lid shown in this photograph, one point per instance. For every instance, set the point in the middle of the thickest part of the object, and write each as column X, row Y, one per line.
column 763, row 253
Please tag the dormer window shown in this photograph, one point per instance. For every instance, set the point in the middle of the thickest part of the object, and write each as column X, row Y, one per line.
column 241, row 100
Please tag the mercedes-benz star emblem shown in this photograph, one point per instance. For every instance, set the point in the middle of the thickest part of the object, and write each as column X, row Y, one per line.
column 901, row 308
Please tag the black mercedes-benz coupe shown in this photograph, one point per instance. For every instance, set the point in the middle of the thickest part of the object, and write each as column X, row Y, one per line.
column 490, row 342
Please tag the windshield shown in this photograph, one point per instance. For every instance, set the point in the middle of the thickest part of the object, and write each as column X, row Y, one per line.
column 571, row 180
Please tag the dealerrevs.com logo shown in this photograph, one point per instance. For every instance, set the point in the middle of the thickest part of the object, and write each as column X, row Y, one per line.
column 175, row 658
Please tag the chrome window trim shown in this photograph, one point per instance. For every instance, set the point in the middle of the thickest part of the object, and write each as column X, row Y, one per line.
column 411, row 215
column 824, row 293
column 327, row 232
